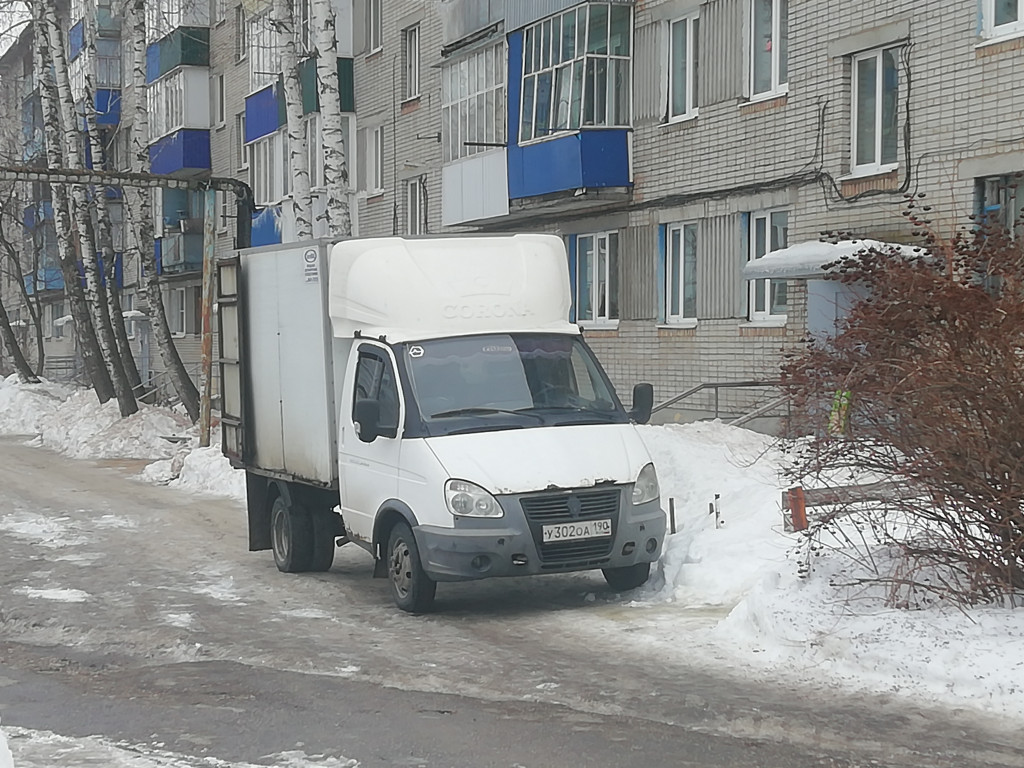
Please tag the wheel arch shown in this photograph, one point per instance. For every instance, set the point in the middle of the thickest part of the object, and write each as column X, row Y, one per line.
column 391, row 511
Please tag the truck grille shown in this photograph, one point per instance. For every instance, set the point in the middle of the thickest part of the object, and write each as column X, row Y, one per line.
column 566, row 508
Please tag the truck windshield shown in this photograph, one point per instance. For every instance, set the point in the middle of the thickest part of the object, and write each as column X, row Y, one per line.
column 508, row 381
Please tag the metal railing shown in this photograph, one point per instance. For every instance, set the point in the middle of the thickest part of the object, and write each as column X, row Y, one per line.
column 720, row 385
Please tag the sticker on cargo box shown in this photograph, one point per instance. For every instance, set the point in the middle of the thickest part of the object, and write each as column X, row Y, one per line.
column 311, row 272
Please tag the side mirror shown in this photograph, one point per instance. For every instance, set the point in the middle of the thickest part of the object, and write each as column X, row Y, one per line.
column 643, row 403
column 367, row 419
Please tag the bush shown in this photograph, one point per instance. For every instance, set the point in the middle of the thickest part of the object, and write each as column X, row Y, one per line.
column 924, row 386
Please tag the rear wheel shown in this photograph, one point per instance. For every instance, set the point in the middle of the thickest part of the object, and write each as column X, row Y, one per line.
column 411, row 588
column 627, row 577
column 326, row 530
column 291, row 535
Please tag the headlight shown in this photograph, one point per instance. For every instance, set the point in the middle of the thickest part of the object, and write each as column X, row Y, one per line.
column 646, row 487
column 469, row 500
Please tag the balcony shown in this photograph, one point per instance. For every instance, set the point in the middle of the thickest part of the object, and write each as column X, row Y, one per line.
column 185, row 46
column 178, row 252
column 183, row 153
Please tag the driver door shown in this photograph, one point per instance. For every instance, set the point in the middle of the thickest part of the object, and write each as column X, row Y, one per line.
column 368, row 472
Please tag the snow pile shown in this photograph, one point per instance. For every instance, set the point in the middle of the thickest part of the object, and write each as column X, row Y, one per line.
column 25, row 407
column 6, row 759
column 715, row 560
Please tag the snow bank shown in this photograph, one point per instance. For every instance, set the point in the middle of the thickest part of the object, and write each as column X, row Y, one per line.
column 6, row 759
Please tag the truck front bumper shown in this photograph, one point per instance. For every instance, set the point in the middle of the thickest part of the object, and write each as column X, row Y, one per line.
column 513, row 545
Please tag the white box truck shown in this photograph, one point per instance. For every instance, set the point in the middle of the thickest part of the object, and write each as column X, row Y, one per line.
column 429, row 400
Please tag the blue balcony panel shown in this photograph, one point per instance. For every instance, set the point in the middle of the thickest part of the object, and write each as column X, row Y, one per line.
column 266, row 226
column 184, row 153
column 76, row 40
column 118, row 270
column 108, row 106
column 263, row 113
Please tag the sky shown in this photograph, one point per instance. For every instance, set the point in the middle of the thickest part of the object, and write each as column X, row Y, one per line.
column 732, row 584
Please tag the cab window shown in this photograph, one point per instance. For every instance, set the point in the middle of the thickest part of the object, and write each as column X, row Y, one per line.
column 375, row 380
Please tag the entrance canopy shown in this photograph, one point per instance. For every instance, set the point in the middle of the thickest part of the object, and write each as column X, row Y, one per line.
column 808, row 260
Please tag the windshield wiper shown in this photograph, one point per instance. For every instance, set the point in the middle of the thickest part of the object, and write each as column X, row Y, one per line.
column 483, row 411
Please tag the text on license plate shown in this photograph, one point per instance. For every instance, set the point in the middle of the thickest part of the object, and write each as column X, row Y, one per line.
column 584, row 529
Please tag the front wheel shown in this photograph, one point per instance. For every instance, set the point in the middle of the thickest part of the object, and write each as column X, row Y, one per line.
column 411, row 588
column 627, row 577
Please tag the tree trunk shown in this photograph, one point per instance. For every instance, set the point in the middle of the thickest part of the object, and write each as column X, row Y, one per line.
column 105, row 241
column 339, row 218
column 95, row 291
column 88, row 346
column 140, row 212
column 30, row 304
column 11, row 342
column 302, row 203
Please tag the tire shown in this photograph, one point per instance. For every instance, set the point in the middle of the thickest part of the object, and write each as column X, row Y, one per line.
column 411, row 588
column 325, row 538
column 628, row 577
column 291, row 537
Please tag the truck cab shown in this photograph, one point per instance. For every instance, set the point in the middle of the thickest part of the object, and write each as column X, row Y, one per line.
column 453, row 421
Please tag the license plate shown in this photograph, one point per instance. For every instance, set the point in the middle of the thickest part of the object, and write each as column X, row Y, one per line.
column 584, row 529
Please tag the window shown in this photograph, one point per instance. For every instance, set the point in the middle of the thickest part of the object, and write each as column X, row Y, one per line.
column 108, row 62
column 127, row 309
column 576, row 71
column 304, row 23
column 58, row 319
column 597, row 277
column 375, row 379
column 175, row 311
column 411, row 54
column 375, row 162
column 473, row 103
column 315, row 150
column 1003, row 17
column 166, row 100
column 374, row 24
column 224, row 200
column 264, row 52
column 682, row 68
column 769, row 231
column 875, row 90
column 164, row 16
column 241, row 36
column 241, row 151
column 1000, row 203
column 217, row 99
column 269, row 172
column 415, row 212
column 768, row 46
column 681, row 273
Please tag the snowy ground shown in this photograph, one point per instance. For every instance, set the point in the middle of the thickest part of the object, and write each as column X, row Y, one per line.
column 725, row 593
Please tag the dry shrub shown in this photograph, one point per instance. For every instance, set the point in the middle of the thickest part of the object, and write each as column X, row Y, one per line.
column 931, row 366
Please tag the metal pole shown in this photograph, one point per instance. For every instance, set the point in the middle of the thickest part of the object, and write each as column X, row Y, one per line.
column 205, row 388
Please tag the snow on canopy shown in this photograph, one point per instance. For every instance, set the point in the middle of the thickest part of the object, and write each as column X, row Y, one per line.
column 808, row 260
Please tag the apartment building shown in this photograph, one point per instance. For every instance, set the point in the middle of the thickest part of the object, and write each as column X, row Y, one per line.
column 671, row 143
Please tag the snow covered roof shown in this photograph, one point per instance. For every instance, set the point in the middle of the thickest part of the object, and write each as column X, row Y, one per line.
column 808, row 260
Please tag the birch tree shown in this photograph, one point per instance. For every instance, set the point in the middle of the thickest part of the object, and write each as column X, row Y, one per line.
column 339, row 218
column 139, row 213
column 95, row 291
column 88, row 346
column 103, row 234
column 283, row 16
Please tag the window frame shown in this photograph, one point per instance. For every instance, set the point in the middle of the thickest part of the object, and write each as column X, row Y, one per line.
column 611, row 283
column 411, row 63
column 375, row 161
column 218, row 102
column 692, row 22
column 414, row 206
column 1006, row 29
column 777, row 86
column 387, row 370
column 241, row 35
column 876, row 166
column 677, row 282
column 128, row 305
column 769, row 285
column 544, row 59
column 241, row 148
column 177, row 312
column 465, row 92
column 374, row 26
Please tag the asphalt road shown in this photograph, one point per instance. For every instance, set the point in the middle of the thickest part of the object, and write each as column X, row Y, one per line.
column 134, row 612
